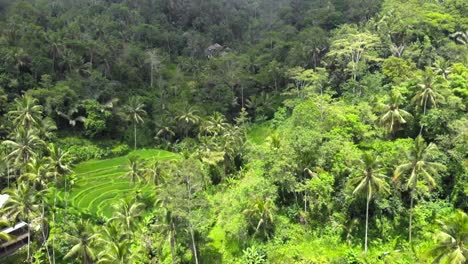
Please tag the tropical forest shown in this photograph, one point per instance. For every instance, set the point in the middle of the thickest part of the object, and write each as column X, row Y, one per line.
column 233, row 131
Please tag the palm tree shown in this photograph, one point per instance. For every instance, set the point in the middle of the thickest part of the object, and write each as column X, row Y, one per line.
column 59, row 167
column 215, row 125
column 135, row 111
column 442, row 67
column 370, row 181
column 115, row 242
column 20, row 206
column 452, row 240
column 27, row 112
column 188, row 117
column 461, row 37
column 5, row 169
column 261, row 214
column 37, row 173
column 154, row 172
column 70, row 116
column 419, row 165
column 166, row 225
column 82, row 236
column 135, row 171
column 115, row 253
column 128, row 214
column 46, row 128
column 393, row 116
column 24, row 146
column 154, row 61
column 427, row 95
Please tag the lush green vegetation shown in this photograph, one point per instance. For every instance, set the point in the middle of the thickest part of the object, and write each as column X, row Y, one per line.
column 100, row 182
column 235, row 131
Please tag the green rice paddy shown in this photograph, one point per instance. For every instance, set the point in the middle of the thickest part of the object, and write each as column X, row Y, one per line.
column 99, row 183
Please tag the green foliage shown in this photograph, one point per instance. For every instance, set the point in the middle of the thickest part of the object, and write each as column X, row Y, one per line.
column 285, row 120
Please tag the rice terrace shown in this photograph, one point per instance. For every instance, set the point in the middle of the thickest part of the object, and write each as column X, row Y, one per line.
column 100, row 183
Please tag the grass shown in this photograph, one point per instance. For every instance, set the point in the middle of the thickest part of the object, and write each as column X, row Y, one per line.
column 259, row 133
column 101, row 182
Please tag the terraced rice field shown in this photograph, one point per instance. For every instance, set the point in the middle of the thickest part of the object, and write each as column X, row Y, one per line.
column 101, row 182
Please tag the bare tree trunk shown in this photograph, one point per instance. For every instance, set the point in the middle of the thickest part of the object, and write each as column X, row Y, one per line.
column 411, row 217
column 172, row 243
column 43, row 233
column 193, row 244
column 53, row 215
column 29, row 240
column 367, row 221
column 134, row 134
column 8, row 174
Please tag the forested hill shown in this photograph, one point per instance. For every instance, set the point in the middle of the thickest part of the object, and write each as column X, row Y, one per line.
column 263, row 131
column 104, row 50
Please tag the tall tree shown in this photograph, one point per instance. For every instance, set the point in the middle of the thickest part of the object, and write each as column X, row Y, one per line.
column 419, row 165
column 155, row 62
column 27, row 112
column 393, row 116
column 135, row 169
column 452, row 240
column 25, row 145
column 128, row 214
column 82, row 236
column 188, row 117
column 135, row 110
column 428, row 94
column 370, row 181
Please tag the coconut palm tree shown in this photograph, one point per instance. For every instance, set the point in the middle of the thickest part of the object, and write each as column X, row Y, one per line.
column 37, row 173
column 155, row 62
column 442, row 67
column 27, row 112
column 24, row 146
column 21, row 205
column 135, row 169
column 115, row 253
column 83, row 238
column 128, row 214
column 452, row 240
column 59, row 162
column 428, row 94
column 260, row 214
column 393, row 117
column 370, row 181
column 115, row 242
column 46, row 128
column 187, row 118
column 419, row 165
column 214, row 125
column 70, row 116
column 135, row 110
column 154, row 173
column 461, row 37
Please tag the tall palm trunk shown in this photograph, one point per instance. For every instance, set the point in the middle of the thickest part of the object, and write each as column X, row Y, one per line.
column 8, row 174
column 134, row 135
column 172, row 242
column 53, row 215
column 193, row 244
column 29, row 240
column 367, row 220
column 411, row 217
column 43, row 233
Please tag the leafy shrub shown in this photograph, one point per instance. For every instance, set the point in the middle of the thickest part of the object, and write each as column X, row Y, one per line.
column 253, row 255
column 82, row 149
column 120, row 150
